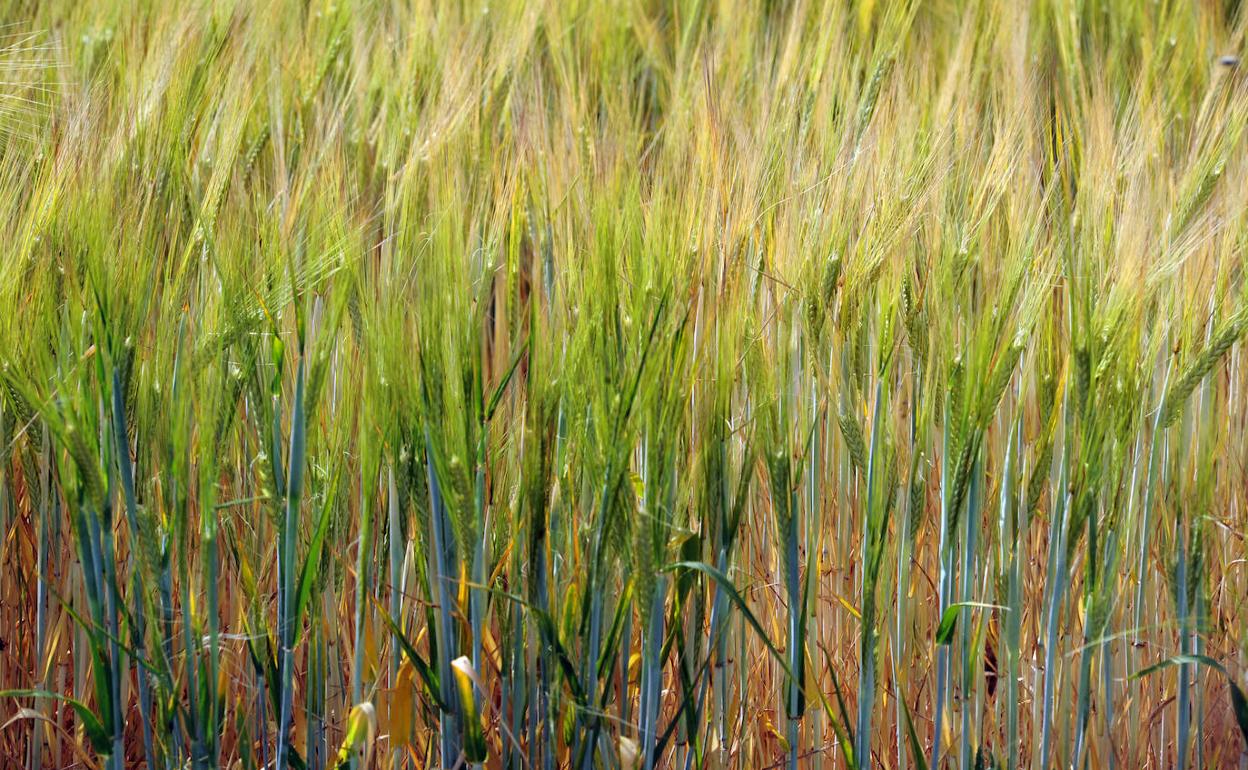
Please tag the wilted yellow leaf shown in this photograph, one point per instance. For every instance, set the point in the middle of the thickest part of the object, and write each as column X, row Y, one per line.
column 769, row 728
column 361, row 730
column 398, row 718
column 371, row 655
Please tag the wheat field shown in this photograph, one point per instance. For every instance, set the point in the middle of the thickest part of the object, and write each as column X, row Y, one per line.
column 623, row 384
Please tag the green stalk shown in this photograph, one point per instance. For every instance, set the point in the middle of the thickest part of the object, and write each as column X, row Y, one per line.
column 126, row 471
column 112, row 600
column 286, row 567
column 363, row 580
column 1185, row 674
column 49, row 515
column 443, row 578
column 395, row 538
column 1107, row 681
column 314, row 704
column 1012, row 515
column 477, row 606
column 969, row 543
column 210, row 525
column 873, row 541
column 652, row 673
column 1157, row 447
column 595, row 587
column 944, row 587
column 796, row 647
column 190, row 649
column 1056, row 584
column 904, row 554
column 1083, row 693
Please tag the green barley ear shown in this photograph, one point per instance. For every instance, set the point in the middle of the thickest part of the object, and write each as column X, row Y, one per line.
column 335, row 47
column 1199, row 187
column 814, row 315
column 871, row 93
column 831, row 280
column 1047, row 399
column 998, row 380
column 229, row 390
column 1083, row 377
column 918, row 496
column 887, row 338
column 818, row 300
column 1039, row 474
column 20, row 408
column 779, row 469
column 851, row 431
column 254, row 147
column 1195, row 564
column 957, row 394
column 89, row 473
column 860, row 352
column 149, row 550
column 265, row 482
column 1200, row 366
column 459, row 503
column 915, row 321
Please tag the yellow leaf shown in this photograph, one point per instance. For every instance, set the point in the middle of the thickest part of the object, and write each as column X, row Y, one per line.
column 371, row 655
column 639, row 485
column 462, row 598
column 466, row 678
column 361, row 730
column 770, row 729
column 491, row 647
column 852, row 609
column 399, row 720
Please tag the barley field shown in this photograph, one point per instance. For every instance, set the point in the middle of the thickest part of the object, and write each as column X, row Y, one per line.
column 623, row 384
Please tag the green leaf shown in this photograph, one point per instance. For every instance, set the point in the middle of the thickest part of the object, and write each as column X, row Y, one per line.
column 1179, row 660
column 310, row 564
column 550, row 636
column 916, row 748
column 423, row 669
column 726, row 584
column 100, row 739
column 501, row 387
column 735, row 596
column 610, row 648
column 949, row 621
column 1239, row 703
